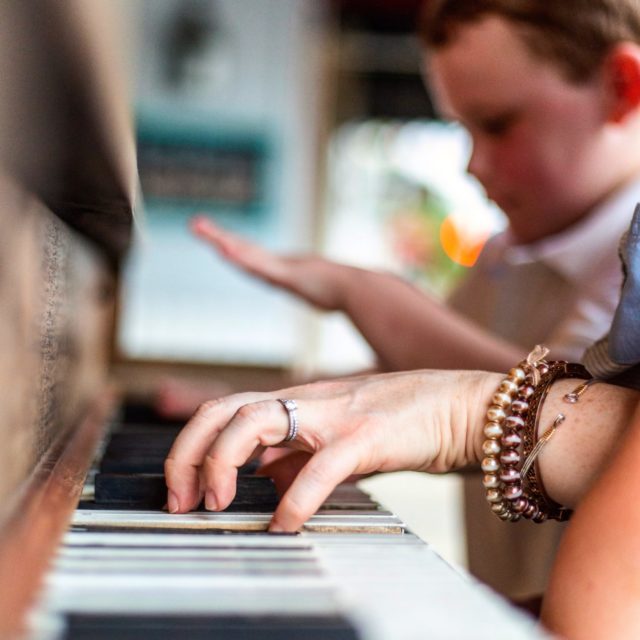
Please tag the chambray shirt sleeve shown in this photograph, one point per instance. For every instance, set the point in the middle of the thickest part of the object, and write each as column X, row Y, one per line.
column 624, row 337
column 618, row 353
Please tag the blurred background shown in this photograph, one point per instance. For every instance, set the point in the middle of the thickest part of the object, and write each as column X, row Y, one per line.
column 304, row 125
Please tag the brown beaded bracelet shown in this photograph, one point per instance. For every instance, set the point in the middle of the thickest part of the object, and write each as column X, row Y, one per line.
column 540, row 506
column 515, row 492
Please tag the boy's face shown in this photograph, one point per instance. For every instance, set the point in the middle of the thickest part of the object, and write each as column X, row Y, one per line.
column 540, row 143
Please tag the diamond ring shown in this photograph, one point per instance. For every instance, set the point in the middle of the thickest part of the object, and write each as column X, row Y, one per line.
column 292, row 411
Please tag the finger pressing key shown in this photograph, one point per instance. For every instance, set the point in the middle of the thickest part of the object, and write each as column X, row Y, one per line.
column 317, row 479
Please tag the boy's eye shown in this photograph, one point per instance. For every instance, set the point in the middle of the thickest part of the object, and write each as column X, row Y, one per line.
column 497, row 126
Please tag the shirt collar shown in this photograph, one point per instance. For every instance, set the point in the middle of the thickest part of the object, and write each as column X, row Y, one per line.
column 579, row 250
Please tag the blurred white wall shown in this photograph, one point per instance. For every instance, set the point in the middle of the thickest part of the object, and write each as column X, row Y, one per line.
column 257, row 75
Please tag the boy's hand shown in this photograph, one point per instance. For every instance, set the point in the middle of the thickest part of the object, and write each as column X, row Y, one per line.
column 318, row 281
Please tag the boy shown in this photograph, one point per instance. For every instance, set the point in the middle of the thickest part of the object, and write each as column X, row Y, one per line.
column 550, row 93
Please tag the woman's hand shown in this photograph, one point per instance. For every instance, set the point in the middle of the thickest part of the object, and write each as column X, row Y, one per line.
column 314, row 279
column 423, row 420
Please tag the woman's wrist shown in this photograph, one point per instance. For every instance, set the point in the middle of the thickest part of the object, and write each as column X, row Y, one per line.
column 462, row 427
column 485, row 390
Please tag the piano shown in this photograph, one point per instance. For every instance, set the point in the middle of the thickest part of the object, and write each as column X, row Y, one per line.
column 76, row 559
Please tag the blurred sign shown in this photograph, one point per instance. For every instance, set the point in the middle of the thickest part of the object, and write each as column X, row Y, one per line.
column 197, row 172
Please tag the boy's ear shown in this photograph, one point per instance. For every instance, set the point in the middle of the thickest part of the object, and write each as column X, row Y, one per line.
column 623, row 69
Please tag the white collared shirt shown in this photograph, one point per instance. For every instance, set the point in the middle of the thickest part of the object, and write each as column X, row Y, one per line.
column 561, row 291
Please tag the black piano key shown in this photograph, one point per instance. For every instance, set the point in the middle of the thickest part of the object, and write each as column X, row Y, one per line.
column 137, row 452
column 132, row 464
column 125, row 440
column 135, row 462
column 149, row 491
column 143, row 450
column 152, row 627
column 141, row 413
column 136, row 465
column 348, row 496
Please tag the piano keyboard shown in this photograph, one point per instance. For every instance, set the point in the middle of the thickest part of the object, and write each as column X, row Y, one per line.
column 353, row 572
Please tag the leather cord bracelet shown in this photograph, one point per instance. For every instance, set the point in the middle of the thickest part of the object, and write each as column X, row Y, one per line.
column 512, row 481
column 532, row 444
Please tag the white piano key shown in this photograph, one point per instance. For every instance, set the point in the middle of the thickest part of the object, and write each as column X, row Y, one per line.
column 274, row 555
column 155, row 567
column 128, row 593
column 381, row 521
column 408, row 592
column 160, row 540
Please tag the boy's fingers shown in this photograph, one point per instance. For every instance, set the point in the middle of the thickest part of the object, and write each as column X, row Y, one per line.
column 245, row 254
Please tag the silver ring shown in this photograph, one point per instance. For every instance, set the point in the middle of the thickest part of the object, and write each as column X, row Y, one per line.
column 292, row 411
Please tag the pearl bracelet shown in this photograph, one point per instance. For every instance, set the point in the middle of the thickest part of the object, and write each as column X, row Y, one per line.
column 505, row 421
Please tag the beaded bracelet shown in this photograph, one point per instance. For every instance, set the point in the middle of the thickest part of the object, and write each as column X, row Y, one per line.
column 515, row 493
column 545, row 507
column 506, row 419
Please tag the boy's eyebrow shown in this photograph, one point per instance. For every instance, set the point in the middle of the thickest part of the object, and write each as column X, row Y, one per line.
column 477, row 111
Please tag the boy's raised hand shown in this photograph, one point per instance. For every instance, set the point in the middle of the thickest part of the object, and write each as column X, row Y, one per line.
column 316, row 280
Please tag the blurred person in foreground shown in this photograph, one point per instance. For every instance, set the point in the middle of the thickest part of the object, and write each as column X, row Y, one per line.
column 550, row 94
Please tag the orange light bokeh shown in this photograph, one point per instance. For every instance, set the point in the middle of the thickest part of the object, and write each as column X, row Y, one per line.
column 463, row 248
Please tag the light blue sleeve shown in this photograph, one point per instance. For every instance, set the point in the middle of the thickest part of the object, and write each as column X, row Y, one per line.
column 624, row 337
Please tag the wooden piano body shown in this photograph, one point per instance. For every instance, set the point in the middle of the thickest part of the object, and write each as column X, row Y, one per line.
column 67, row 190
